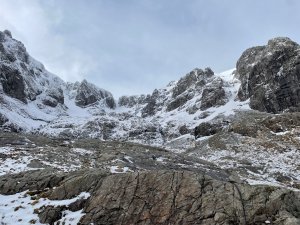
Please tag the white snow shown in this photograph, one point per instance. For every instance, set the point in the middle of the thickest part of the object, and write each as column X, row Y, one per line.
column 19, row 209
column 82, row 151
column 119, row 169
column 272, row 162
column 160, row 159
column 13, row 162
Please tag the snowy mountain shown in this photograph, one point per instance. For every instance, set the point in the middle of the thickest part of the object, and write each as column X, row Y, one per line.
column 185, row 116
column 34, row 100
column 32, row 97
column 202, row 143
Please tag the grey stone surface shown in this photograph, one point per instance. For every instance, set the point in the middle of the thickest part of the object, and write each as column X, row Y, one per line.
column 270, row 76
column 167, row 197
column 88, row 94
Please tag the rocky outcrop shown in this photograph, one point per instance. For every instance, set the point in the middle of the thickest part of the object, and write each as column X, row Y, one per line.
column 207, row 129
column 12, row 83
column 163, row 197
column 270, row 76
column 213, row 95
column 189, row 86
column 131, row 101
column 88, row 94
column 23, row 78
column 153, row 103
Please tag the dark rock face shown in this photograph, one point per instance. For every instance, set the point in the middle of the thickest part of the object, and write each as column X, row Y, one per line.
column 8, row 33
column 188, row 86
column 190, row 79
column 88, row 94
column 50, row 214
column 131, row 101
column 3, row 119
column 12, row 83
column 151, row 108
column 166, row 197
column 270, row 76
column 213, row 95
column 110, row 102
column 54, row 97
column 207, row 129
column 185, row 198
column 37, row 180
column 179, row 101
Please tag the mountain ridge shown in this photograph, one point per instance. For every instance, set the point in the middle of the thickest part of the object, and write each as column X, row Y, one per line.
column 207, row 149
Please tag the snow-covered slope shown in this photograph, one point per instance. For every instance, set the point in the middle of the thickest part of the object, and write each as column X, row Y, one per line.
column 31, row 97
column 41, row 102
column 157, row 119
column 200, row 115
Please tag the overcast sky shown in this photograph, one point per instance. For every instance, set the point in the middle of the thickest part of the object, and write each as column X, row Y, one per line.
column 134, row 46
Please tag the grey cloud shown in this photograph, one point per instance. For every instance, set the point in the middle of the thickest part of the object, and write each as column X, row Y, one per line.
column 134, row 46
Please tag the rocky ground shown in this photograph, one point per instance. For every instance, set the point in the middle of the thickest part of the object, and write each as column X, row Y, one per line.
column 262, row 148
column 93, row 196
column 84, row 181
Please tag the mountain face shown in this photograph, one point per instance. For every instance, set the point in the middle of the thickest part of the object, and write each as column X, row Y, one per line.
column 270, row 76
column 206, row 149
column 34, row 94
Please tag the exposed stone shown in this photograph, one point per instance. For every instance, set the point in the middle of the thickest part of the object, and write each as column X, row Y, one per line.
column 12, row 83
column 179, row 101
column 151, row 107
column 8, row 33
column 169, row 197
column 36, row 164
column 36, row 180
column 3, row 119
column 270, row 76
column 185, row 82
column 110, row 102
column 88, row 94
column 50, row 214
column 184, row 130
column 213, row 95
column 207, row 129
column 77, row 205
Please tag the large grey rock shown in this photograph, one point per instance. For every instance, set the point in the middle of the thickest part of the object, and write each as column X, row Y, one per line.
column 35, row 180
column 197, row 75
column 88, row 94
column 213, row 95
column 12, row 82
column 179, row 101
column 270, row 76
column 152, row 104
column 169, row 197
column 50, row 214
column 131, row 101
column 207, row 129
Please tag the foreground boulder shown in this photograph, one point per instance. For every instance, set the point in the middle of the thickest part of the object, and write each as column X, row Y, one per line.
column 163, row 197
column 270, row 76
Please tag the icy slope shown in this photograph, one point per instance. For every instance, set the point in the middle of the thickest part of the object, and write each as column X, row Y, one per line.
column 31, row 97
column 34, row 100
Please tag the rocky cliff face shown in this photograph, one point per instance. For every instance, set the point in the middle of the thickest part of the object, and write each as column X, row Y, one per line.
column 33, row 93
column 160, row 197
column 270, row 76
column 24, row 78
column 88, row 94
